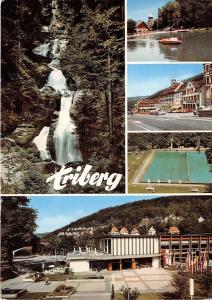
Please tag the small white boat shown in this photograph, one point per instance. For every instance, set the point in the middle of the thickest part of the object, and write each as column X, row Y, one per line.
column 171, row 41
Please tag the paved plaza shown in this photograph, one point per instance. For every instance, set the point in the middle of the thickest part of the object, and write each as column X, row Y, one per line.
column 147, row 280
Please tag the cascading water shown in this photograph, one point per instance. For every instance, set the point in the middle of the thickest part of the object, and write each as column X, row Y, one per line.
column 65, row 137
column 41, row 142
column 57, row 81
column 42, row 50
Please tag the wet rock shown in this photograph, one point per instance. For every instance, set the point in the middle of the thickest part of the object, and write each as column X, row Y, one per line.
column 24, row 134
column 51, row 167
column 6, row 141
column 50, row 141
column 39, row 72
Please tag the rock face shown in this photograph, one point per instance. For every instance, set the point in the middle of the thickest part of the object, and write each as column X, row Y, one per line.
column 22, row 75
column 24, row 134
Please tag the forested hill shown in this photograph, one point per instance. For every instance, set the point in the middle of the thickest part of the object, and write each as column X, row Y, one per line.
column 188, row 209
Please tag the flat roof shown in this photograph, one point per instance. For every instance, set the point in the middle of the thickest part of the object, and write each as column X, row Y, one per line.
column 153, row 236
column 105, row 256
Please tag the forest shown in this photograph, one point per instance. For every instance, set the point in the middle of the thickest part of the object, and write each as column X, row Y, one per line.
column 160, row 141
column 188, row 14
column 93, row 63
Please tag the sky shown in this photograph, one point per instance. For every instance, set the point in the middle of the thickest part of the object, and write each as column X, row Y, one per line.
column 145, row 80
column 55, row 212
column 140, row 9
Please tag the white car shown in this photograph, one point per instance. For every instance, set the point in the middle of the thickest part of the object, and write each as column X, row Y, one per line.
column 161, row 113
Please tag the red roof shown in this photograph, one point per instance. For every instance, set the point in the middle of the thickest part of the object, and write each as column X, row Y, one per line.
column 182, row 87
column 124, row 230
column 142, row 25
column 170, row 89
column 114, row 230
column 174, row 230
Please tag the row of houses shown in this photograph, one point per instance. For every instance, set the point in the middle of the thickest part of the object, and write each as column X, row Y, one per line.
column 181, row 96
column 77, row 231
column 135, row 231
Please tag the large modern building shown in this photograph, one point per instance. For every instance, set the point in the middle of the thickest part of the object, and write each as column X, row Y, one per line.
column 124, row 250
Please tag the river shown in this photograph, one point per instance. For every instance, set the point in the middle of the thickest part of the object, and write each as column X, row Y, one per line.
column 196, row 46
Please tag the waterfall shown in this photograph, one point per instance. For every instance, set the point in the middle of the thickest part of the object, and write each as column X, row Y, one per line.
column 55, row 48
column 41, row 142
column 42, row 50
column 57, row 80
column 65, row 138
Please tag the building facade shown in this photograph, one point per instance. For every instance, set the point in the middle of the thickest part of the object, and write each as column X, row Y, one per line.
column 141, row 28
column 191, row 95
column 208, row 84
column 145, row 106
column 117, row 252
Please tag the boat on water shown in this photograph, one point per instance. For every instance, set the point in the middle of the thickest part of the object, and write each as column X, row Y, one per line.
column 171, row 40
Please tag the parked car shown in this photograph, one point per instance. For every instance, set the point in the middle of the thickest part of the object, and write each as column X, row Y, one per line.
column 155, row 113
column 161, row 113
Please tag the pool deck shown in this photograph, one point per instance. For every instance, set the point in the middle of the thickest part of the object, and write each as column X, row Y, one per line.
column 144, row 166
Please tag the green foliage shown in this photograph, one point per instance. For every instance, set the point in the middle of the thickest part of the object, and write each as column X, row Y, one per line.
column 162, row 141
column 18, row 224
column 180, row 283
column 206, row 284
column 131, row 24
column 60, row 244
column 34, row 182
column 189, row 13
column 129, row 294
column 169, row 15
column 95, row 58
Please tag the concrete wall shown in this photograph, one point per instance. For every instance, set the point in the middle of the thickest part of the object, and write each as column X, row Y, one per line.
column 156, row 262
column 79, row 266
column 131, row 245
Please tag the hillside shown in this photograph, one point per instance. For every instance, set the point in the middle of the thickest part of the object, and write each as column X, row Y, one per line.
column 159, row 211
column 158, row 93
column 131, row 101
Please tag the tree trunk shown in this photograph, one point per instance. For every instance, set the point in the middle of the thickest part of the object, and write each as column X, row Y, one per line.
column 110, row 117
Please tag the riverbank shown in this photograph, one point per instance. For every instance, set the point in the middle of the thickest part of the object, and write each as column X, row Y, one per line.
column 169, row 31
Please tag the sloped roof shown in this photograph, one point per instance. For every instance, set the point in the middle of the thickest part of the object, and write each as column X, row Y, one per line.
column 114, row 229
column 174, row 229
column 170, row 89
column 139, row 23
column 134, row 231
column 182, row 87
column 124, row 230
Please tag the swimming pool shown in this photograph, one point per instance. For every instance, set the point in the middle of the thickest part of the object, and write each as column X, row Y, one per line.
column 188, row 167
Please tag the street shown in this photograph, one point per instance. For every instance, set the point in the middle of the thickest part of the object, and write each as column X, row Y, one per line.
column 169, row 122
